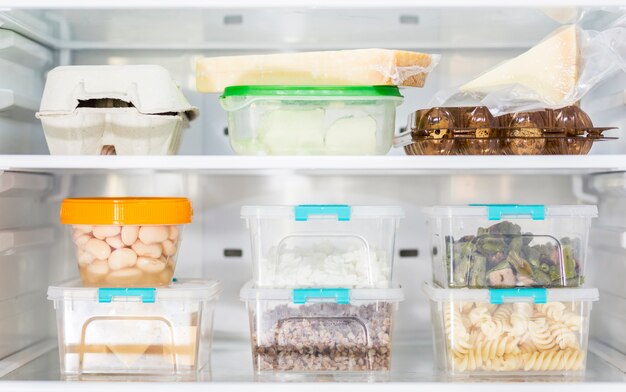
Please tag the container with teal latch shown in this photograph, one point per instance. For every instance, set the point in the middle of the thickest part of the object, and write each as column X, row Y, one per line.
column 509, row 245
column 321, row 330
column 322, row 245
column 524, row 331
column 121, row 333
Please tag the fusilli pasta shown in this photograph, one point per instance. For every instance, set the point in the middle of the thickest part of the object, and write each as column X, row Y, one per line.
column 510, row 337
column 569, row 359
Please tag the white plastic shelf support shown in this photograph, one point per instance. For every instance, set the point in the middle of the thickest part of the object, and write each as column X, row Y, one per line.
column 325, row 165
column 19, row 238
column 22, row 184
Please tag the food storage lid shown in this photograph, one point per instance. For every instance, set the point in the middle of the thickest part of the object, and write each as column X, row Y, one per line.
column 312, row 91
column 126, row 211
column 515, row 211
column 237, row 97
column 182, row 290
column 304, row 212
column 518, row 294
column 149, row 88
column 309, row 295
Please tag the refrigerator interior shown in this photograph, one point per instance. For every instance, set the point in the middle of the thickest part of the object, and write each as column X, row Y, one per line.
column 35, row 250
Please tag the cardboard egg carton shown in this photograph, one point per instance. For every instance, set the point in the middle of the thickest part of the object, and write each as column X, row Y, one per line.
column 113, row 110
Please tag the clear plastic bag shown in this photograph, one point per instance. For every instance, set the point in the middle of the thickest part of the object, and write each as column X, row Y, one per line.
column 601, row 54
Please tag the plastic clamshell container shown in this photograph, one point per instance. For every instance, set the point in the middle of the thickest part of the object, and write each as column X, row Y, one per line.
column 135, row 331
column 475, row 131
column 126, row 241
column 509, row 245
column 311, row 120
column 519, row 331
column 108, row 110
column 321, row 329
column 322, row 245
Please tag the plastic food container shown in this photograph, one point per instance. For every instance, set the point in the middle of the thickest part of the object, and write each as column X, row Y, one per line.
column 474, row 131
column 109, row 110
column 126, row 241
column 311, row 120
column 322, row 245
column 321, row 330
column 509, row 245
column 522, row 331
column 135, row 331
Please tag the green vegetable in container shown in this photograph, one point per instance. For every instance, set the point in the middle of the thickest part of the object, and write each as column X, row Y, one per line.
column 464, row 260
column 502, row 256
column 479, row 271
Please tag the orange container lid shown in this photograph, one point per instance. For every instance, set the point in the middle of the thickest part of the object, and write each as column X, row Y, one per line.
column 126, row 211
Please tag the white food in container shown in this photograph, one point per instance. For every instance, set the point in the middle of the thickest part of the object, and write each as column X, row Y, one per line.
column 311, row 120
column 123, row 110
column 322, row 245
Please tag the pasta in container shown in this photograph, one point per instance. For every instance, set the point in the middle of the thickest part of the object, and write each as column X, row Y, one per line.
column 529, row 331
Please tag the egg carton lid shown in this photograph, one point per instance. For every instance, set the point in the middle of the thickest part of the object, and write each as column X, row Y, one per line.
column 510, row 295
column 149, row 88
column 251, row 293
column 180, row 290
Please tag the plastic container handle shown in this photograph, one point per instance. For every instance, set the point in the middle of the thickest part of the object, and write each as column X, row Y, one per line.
column 403, row 139
column 147, row 295
column 301, row 296
column 499, row 296
column 304, row 211
column 497, row 211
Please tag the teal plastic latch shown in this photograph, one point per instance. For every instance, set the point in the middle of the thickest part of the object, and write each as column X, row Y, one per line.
column 147, row 295
column 499, row 296
column 301, row 296
column 304, row 211
column 497, row 211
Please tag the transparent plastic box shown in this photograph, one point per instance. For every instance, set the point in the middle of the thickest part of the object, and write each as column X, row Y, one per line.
column 321, row 330
column 126, row 241
column 502, row 245
column 322, row 245
column 135, row 331
column 517, row 331
column 311, row 120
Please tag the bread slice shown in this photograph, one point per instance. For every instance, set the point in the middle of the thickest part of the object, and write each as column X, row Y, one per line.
column 343, row 68
column 550, row 69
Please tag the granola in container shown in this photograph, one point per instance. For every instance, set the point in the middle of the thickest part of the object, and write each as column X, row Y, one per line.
column 321, row 330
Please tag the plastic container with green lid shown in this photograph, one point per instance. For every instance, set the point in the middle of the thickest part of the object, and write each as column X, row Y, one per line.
column 311, row 120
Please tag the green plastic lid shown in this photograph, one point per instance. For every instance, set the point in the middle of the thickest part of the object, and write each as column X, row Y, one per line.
column 312, row 91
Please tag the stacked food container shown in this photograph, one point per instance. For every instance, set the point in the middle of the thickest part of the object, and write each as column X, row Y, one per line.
column 315, row 103
column 508, row 293
column 125, row 316
column 323, row 296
